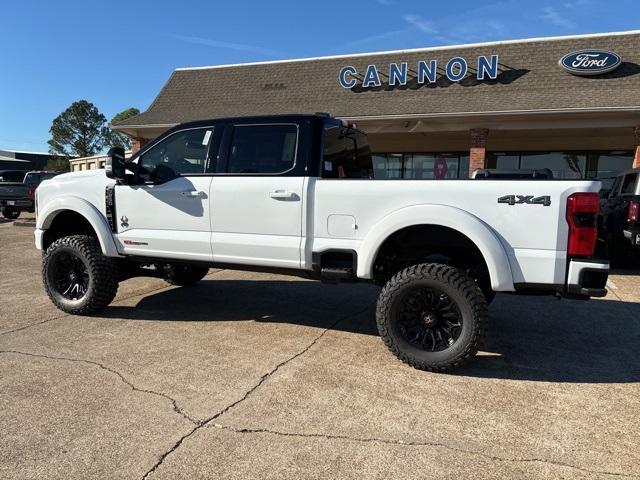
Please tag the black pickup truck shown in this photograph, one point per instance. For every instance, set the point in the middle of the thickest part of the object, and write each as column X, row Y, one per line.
column 17, row 191
column 619, row 218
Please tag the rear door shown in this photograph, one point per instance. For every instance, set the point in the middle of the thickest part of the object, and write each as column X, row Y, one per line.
column 256, row 197
column 167, row 214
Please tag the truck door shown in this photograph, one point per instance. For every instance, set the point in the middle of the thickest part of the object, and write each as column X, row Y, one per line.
column 256, row 198
column 167, row 214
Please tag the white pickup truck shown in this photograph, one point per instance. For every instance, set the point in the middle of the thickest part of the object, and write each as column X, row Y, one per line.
column 296, row 194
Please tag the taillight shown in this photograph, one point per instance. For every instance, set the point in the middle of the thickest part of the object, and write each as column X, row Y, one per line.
column 582, row 209
column 632, row 216
column 30, row 192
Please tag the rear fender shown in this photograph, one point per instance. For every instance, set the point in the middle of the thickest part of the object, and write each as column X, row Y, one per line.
column 469, row 225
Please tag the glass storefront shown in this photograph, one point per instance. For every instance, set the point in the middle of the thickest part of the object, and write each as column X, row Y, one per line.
column 446, row 165
column 565, row 165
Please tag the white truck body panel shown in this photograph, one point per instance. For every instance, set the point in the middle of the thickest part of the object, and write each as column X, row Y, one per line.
column 281, row 221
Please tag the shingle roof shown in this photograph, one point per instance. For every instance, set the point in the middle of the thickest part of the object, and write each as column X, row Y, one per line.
column 530, row 79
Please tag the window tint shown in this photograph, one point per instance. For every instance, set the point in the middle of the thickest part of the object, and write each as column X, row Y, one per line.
column 615, row 187
column 32, row 178
column 629, row 184
column 346, row 153
column 262, row 149
column 182, row 153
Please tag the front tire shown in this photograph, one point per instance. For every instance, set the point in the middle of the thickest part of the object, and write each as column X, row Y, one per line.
column 432, row 316
column 78, row 278
column 10, row 213
column 183, row 275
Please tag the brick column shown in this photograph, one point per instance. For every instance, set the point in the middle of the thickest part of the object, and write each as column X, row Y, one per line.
column 478, row 150
column 636, row 157
column 137, row 143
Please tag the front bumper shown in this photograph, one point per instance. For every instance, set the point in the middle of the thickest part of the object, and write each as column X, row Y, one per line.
column 38, row 234
column 587, row 278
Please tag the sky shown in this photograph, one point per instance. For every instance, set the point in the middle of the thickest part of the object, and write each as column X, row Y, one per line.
column 118, row 54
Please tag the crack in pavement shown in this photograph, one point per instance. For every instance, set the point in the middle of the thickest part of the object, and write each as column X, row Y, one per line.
column 403, row 443
column 174, row 404
column 248, row 393
column 139, row 294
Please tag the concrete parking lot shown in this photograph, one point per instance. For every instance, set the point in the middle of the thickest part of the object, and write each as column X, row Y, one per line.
column 261, row 376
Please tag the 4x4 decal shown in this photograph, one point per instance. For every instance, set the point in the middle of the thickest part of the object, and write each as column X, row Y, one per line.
column 525, row 199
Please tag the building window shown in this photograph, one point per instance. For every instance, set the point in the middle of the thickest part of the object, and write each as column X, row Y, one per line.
column 607, row 164
column 565, row 165
column 447, row 165
column 562, row 164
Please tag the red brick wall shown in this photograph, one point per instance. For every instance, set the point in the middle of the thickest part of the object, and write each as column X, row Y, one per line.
column 636, row 158
column 138, row 143
column 478, row 150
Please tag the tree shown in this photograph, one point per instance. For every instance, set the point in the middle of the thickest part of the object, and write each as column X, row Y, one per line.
column 57, row 164
column 79, row 131
column 117, row 139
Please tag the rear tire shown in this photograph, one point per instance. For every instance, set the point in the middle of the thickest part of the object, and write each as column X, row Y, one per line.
column 78, row 278
column 184, row 275
column 10, row 213
column 432, row 316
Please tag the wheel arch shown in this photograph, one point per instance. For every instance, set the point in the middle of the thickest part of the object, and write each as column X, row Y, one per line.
column 460, row 221
column 69, row 205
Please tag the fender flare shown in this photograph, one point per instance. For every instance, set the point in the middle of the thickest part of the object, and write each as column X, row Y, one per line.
column 88, row 211
column 467, row 224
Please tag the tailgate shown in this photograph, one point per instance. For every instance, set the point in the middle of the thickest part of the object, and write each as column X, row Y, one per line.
column 13, row 190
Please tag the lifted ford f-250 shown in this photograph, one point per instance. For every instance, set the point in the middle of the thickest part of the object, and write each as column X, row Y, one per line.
column 296, row 194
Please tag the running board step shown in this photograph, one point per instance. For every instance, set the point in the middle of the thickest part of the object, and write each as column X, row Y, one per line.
column 336, row 273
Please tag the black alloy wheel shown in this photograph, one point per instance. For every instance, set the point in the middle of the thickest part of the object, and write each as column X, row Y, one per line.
column 429, row 319
column 432, row 316
column 69, row 275
column 78, row 278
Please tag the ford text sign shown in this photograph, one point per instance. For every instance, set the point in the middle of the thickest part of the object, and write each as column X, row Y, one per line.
column 590, row 62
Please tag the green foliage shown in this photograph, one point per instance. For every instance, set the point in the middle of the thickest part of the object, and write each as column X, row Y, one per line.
column 57, row 164
column 79, row 131
column 117, row 139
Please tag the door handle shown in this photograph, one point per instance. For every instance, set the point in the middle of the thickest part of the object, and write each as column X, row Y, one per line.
column 282, row 195
column 193, row 194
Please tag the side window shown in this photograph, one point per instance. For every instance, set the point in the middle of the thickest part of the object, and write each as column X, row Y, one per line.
column 346, row 153
column 262, row 149
column 629, row 184
column 183, row 153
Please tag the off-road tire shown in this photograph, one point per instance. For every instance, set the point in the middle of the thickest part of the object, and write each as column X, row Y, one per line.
column 183, row 275
column 463, row 291
column 10, row 213
column 102, row 271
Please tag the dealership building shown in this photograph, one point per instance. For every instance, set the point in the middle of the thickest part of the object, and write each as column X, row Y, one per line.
column 570, row 104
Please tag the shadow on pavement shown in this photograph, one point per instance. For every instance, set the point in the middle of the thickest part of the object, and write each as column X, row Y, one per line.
column 530, row 338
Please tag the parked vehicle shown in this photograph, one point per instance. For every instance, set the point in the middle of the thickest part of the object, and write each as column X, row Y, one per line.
column 13, row 194
column 35, row 177
column 295, row 194
column 618, row 222
column 19, row 196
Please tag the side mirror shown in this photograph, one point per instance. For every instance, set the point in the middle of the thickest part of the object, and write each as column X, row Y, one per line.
column 115, row 165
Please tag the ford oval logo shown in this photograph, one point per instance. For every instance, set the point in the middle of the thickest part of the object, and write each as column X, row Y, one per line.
column 590, row 62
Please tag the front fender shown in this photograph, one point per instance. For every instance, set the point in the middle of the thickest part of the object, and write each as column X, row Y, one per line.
column 48, row 212
column 446, row 216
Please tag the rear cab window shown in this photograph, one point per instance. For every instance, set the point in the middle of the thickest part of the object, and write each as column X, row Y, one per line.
column 629, row 184
column 346, row 153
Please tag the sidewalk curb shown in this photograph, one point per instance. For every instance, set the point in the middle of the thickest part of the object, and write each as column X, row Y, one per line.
column 24, row 223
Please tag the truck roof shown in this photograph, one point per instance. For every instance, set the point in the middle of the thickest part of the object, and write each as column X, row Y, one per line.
column 260, row 118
